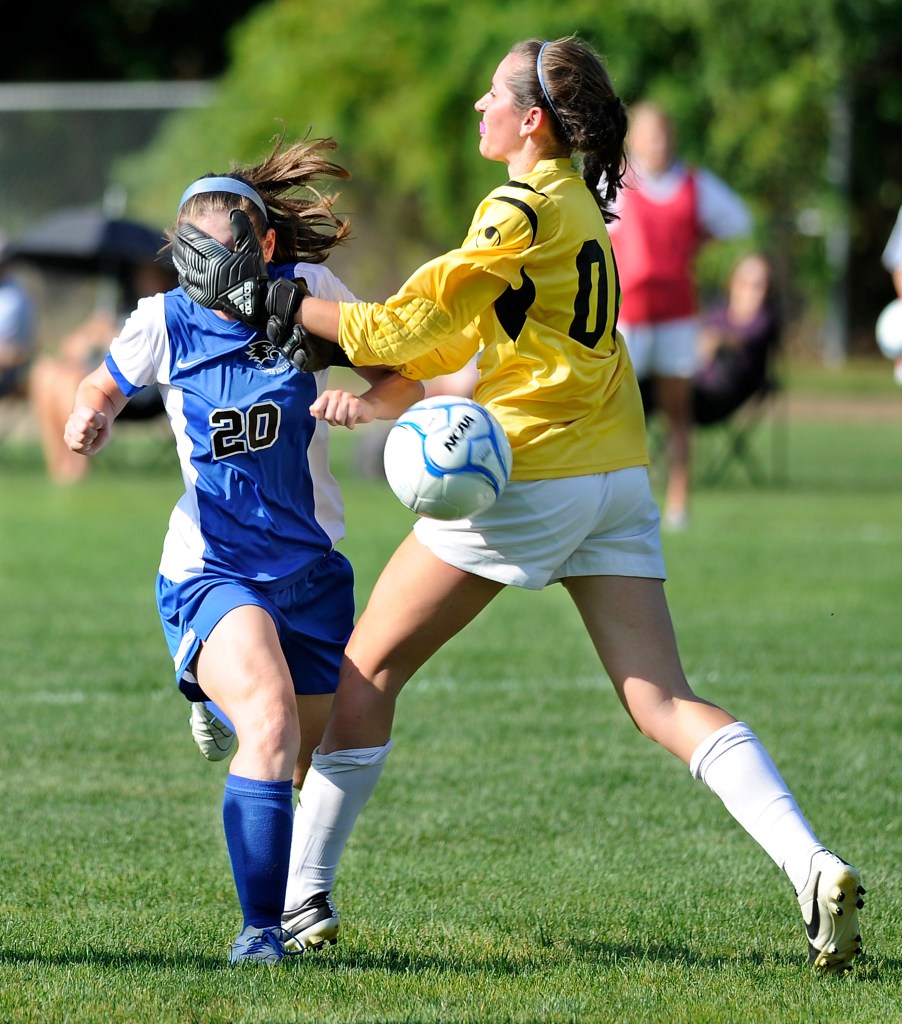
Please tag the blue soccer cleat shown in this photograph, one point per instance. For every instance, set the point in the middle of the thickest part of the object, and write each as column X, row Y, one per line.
column 261, row 945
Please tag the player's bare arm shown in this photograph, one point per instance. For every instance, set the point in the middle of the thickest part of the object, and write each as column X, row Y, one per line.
column 320, row 317
column 98, row 401
column 388, row 396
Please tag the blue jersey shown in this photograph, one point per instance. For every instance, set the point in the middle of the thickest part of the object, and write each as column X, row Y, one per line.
column 260, row 502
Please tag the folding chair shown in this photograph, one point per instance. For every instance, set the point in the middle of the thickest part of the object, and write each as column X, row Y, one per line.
column 731, row 438
column 734, row 436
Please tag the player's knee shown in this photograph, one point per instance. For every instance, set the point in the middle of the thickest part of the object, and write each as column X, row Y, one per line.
column 269, row 730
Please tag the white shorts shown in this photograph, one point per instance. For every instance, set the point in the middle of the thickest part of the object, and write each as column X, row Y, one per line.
column 542, row 531
column 668, row 349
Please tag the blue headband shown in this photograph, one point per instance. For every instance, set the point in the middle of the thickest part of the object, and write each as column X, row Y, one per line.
column 541, row 79
column 233, row 186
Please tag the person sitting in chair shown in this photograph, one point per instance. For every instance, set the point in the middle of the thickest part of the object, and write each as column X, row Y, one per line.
column 737, row 342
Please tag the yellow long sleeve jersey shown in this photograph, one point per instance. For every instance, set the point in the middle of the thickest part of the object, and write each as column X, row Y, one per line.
column 534, row 288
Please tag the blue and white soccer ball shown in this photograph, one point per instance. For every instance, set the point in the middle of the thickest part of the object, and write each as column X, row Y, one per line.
column 447, row 458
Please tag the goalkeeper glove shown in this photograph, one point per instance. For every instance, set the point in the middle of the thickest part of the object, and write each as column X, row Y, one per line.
column 305, row 351
column 219, row 278
column 237, row 283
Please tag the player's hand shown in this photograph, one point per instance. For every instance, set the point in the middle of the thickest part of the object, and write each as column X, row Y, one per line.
column 234, row 281
column 307, row 352
column 87, row 430
column 283, row 300
column 342, row 409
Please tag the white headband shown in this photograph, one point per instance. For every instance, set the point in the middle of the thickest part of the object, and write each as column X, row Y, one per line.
column 233, row 186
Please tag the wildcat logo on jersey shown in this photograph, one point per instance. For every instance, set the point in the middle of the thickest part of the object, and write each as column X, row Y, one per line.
column 266, row 356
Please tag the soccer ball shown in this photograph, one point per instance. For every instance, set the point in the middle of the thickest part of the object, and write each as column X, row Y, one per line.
column 889, row 330
column 447, row 458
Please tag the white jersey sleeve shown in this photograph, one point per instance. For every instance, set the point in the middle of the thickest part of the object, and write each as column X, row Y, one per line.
column 892, row 254
column 321, row 282
column 141, row 349
column 721, row 212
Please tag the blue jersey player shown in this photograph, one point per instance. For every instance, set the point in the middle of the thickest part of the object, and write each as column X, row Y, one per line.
column 256, row 603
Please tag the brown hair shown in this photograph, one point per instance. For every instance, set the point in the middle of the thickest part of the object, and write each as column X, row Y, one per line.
column 588, row 117
column 305, row 225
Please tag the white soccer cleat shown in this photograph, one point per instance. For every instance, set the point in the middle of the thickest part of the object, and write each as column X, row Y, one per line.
column 212, row 735
column 830, row 903
column 312, row 924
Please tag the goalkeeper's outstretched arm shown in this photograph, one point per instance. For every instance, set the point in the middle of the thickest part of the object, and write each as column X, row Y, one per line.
column 320, row 317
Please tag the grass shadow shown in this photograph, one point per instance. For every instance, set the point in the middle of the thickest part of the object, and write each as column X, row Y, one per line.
column 110, row 960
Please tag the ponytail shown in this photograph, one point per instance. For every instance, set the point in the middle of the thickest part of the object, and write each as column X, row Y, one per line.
column 567, row 78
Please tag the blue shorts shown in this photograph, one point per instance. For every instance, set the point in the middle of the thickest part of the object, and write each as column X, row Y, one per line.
column 313, row 615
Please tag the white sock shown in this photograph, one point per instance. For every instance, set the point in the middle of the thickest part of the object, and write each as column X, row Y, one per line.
column 335, row 791
column 734, row 765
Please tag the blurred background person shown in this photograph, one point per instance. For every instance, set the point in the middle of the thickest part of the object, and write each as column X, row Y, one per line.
column 666, row 213
column 17, row 328
column 738, row 340
column 55, row 376
column 892, row 260
column 892, row 254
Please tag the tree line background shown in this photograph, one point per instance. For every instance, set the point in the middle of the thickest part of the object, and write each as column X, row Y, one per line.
column 797, row 105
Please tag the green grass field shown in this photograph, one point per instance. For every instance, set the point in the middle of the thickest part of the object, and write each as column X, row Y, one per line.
column 527, row 856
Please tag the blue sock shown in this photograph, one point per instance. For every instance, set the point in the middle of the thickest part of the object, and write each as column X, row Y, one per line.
column 258, row 817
